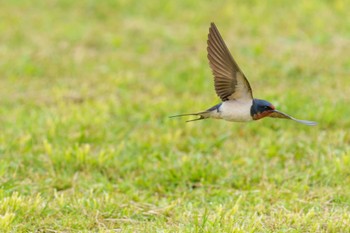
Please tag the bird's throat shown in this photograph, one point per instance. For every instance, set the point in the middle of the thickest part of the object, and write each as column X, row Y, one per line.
column 260, row 115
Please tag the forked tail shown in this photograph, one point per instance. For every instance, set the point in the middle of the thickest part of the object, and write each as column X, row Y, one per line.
column 202, row 116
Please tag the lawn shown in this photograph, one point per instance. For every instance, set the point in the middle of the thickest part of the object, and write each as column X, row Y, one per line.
column 86, row 89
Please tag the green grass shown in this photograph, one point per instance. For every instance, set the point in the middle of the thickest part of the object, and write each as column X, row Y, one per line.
column 86, row 88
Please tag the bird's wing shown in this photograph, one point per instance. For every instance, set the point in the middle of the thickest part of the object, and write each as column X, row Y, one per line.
column 278, row 114
column 230, row 82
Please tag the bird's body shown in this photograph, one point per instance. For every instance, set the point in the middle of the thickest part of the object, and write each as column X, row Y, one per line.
column 233, row 88
column 232, row 110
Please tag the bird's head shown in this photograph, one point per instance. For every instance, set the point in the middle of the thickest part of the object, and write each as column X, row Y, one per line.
column 261, row 109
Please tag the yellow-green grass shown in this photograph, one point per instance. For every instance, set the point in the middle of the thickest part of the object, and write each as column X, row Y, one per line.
column 86, row 88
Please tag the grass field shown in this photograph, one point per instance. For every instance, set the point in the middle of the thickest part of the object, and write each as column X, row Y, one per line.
column 86, row 88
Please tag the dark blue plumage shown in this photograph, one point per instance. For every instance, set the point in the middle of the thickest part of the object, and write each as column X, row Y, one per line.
column 259, row 106
column 216, row 107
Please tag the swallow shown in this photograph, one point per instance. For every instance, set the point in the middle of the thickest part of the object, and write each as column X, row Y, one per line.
column 233, row 88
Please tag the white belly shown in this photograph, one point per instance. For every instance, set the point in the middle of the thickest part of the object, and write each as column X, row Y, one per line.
column 233, row 110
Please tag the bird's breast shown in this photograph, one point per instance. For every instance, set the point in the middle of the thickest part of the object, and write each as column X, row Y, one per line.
column 233, row 110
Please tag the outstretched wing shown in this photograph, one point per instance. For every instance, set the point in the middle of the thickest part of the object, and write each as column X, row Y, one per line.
column 230, row 82
column 278, row 114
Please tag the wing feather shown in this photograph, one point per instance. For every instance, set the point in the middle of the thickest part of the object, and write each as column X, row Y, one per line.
column 278, row 114
column 229, row 80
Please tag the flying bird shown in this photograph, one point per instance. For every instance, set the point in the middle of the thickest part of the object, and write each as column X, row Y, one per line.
column 233, row 88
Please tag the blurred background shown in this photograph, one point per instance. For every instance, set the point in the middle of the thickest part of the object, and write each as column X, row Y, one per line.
column 86, row 88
